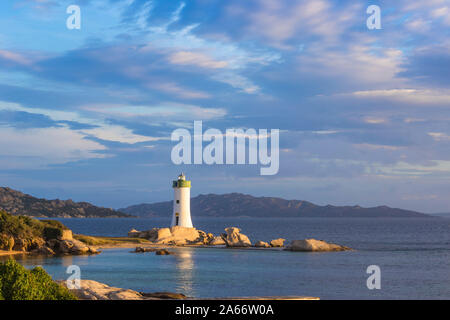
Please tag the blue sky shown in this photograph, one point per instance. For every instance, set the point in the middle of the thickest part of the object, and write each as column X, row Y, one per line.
column 363, row 114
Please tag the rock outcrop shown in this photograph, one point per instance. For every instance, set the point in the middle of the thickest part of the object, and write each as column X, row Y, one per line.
column 67, row 247
column 217, row 241
column 66, row 235
column 93, row 290
column 133, row 233
column 277, row 242
column 164, row 295
column 315, row 246
column 262, row 244
column 234, row 238
column 142, row 250
column 181, row 236
column 39, row 246
column 163, row 252
column 46, row 237
column 174, row 236
column 158, row 252
column 6, row 242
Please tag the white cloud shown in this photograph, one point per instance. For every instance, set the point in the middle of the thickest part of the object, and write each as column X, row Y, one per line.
column 413, row 120
column 439, row 136
column 15, row 57
column 183, row 47
column 374, row 120
column 357, row 63
column 162, row 111
column 102, row 129
column 420, row 197
column 440, row 12
column 117, row 134
column 174, row 88
column 39, row 147
column 418, row 25
column 237, row 81
column 196, row 59
column 414, row 96
column 368, row 146
column 279, row 21
column 403, row 168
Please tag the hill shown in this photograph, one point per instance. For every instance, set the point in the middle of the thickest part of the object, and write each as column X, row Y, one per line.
column 18, row 203
column 442, row 214
column 237, row 204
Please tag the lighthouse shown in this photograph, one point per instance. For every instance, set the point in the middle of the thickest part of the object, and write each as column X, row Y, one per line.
column 182, row 202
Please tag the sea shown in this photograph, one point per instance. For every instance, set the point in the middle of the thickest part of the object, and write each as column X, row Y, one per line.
column 413, row 256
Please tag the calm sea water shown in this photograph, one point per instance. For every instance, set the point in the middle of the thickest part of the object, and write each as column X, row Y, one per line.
column 413, row 254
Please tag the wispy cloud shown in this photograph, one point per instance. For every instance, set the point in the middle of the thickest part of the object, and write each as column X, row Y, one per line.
column 196, row 59
column 41, row 147
column 415, row 96
column 99, row 129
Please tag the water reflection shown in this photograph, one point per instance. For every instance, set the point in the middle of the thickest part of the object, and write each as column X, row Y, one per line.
column 16, row 256
column 184, row 264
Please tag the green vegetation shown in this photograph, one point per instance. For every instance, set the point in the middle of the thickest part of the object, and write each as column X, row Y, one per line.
column 27, row 228
column 20, row 226
column 25, row 232
column 97, row 241
column 19, row 283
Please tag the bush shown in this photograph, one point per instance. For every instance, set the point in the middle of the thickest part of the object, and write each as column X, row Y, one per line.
column 55, row 224
column 19, row 283
column 22, row 227
column 52, row 233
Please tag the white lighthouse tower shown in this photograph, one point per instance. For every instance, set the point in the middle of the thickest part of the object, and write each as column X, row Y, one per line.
column 182, row 202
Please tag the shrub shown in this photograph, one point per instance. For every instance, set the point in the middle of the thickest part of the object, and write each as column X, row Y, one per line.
column 19, row 283
column 52, row 233
column 20, row 226
column 23, row 227
column 54, row 223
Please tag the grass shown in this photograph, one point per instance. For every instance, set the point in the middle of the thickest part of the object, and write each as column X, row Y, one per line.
column 97, row 241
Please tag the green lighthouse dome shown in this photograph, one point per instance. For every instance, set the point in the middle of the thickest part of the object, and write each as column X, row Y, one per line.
column 181, row 182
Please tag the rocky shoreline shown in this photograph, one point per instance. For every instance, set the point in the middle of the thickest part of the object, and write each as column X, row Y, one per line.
column 43, row 237
column 232, row 238
column 51, row 238
column 94, row 290
column 65, row 245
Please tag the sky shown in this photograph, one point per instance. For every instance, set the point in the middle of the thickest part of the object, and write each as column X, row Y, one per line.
column 87, row 114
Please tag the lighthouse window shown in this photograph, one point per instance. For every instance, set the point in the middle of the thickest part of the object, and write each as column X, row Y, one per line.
column 178, row 201
column 176, row 220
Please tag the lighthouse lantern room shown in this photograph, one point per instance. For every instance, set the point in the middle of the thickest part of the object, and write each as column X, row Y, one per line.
column 182, row 202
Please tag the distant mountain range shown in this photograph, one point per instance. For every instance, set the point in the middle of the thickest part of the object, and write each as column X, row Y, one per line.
column 242, row 205
column 209, row 205
column 442, row 214
column 18, row 203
